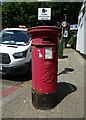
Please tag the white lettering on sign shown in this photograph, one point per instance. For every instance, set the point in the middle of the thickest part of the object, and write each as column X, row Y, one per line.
column 48, row 53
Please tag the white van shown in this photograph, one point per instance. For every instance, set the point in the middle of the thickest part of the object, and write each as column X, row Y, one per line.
column 15, row 51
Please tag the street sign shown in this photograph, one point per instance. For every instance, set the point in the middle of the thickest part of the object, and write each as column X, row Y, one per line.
column 65, row 33
column 44, row 13
column 74, row 27
column 64, row 23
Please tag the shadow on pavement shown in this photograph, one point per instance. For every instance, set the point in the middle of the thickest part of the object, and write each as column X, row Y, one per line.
column 48, row 101
column 63, row 89
column 66, row 71
column 64, row 56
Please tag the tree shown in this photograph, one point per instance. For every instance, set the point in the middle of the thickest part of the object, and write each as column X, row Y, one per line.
column 26, row 13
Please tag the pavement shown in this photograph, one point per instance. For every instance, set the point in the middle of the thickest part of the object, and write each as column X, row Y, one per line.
column 70, row 100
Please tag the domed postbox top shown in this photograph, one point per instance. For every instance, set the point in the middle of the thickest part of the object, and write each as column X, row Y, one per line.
column 42, row 35
column 44, row 30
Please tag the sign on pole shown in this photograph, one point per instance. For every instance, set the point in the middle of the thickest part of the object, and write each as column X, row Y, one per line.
column 64, row 24
column 74, row 27
column 44, row 13
column 65, row 33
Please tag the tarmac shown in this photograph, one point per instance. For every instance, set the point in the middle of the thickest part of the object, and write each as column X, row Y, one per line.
column 70, row 97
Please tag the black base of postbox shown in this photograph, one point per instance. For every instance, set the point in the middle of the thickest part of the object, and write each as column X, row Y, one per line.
column 43, row 101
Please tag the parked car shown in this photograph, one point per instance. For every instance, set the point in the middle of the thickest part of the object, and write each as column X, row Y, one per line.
column 15, row 51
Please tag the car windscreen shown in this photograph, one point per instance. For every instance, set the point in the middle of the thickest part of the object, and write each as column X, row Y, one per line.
column 15, row 37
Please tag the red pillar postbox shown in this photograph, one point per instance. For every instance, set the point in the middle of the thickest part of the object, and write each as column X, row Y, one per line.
column 44, row 65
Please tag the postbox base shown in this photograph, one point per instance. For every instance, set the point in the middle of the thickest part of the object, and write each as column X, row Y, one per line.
column 43, row 101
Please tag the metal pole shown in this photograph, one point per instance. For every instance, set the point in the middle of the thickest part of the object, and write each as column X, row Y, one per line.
column 65, row 30
column 65, row 17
